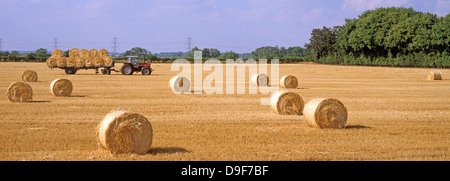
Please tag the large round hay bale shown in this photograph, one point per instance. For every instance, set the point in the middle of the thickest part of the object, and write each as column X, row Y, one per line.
column 434, row 75
column 84, row 53
column 29, row 76
column 98, row 61
column 74, row 52
column 89, row 61
column 79, row 62
column 179, row 84
column 325, row 113
column 103, row 52
column 61, row 87
column 93, row 53
column 260, row 79
column 125, row 132
column 57, row 53
column 107, row 60
column 289, row 81
column 71, row 61
column 286, row 103
column 51, row 62
column 61, row 62
column 19, row 92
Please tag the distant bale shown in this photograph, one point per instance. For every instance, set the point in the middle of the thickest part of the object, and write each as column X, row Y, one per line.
column 89, row 61
column 19, row 92
column 125, row 132
column 325, row 113
column 289, row 81
column 61, row 62
column 71, row 61
column 434, row 75
column 107, row 60
column 103, row 52
column 79, row 62
column 57, row 53
column 286, row 103
column 61, row 87
column 93, row 53
column 260, row 79
column 98, row 61
column 84, row 53
column 180, row 84
column 29, row 76
column 51, row 62
column 74, row 52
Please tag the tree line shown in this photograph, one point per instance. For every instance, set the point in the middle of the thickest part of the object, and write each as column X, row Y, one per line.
column 385, row 37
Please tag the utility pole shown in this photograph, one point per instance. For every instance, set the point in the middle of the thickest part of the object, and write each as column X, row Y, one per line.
column 115, row 45
column 189, row 44
column 55, row 43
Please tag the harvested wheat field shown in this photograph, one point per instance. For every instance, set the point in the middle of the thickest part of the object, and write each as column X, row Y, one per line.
column 393, row 114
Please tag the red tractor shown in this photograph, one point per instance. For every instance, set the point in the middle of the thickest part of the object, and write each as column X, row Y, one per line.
column 133, row 65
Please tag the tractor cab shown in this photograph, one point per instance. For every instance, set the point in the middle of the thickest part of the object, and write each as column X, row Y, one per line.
column 133, row 65
column 133, row 60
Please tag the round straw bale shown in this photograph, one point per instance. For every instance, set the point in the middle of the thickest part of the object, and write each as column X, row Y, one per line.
column 71, row 61
column 89, row 61
column 93, row 52
column 434, row 75
column 125, row 132
column 286, row 103
column 289, row 81
column 61, row 61
column 179, row 84
column 51, row 62
column 84, row 53
column 56, row 53
column 107, row 60
column 61, row 87
column 74, row 52
column 79, row 62
column 29, row 76
column 19, row 92
column 98, row 61
column 325, row 113
column 260, row 79
column 103, row 52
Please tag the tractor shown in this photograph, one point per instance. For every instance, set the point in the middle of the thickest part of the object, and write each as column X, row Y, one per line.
column 133, row 65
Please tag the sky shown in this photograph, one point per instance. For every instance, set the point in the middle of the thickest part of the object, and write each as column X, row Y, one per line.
column 165, row 25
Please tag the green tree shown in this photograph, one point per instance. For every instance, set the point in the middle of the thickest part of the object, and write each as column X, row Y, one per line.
column 229, row 55
column 41, row 52
column 323, row 41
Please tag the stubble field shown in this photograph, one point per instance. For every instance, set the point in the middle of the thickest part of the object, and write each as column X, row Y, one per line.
column 393, row 114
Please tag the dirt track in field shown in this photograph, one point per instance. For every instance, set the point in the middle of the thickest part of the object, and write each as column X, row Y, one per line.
column 394, row 114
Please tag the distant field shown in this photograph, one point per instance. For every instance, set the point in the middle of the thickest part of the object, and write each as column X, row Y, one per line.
column 394, row 114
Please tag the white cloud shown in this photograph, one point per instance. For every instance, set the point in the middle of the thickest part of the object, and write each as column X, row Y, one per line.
column 362, row 5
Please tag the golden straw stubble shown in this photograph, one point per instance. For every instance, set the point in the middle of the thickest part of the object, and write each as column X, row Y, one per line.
column 29, row 76
column 325, row 113
column 19, row 92
column 434, row 75
column 61, row 87
column 286, row 103
column 125, row 132
column 289, row 81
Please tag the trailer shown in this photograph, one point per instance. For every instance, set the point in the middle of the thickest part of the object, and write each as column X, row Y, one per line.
column 128, row 68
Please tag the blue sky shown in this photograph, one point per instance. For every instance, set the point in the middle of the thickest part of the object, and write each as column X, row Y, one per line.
column 164, row 26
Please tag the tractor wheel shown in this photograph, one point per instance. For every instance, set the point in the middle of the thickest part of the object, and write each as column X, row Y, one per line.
column 146, row 71
column 70, row 71
column 127, row 69
column 106, row 72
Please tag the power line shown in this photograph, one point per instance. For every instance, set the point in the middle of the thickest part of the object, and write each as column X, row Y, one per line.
column 115, row 45
column 189, row 44
column 55, row 43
